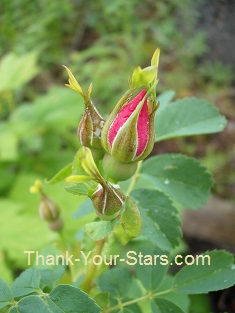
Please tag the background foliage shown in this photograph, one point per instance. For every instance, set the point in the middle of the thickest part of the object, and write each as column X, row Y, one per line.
column 38, row 116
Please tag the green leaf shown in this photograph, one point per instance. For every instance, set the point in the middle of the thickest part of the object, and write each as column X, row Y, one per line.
column 101, row 229
column 202, row 278
column 23, row 223
column 161, row 305
column 160, row 222
column 165, row 98
column 28, row 282
column 38, row 120
column 66, row 298
column 6, row 296
column 153, row 259
column 61, row 175
column 33, row 304
column 20, row 227
column 116, row 281
column 183, row 178
column 16, row 70
column 180, row 299
column 50, row 277
column 102, row 299
column 84, row 209
column 187, row 117
column 8, row 146
column 77, row 189
column 131, row 219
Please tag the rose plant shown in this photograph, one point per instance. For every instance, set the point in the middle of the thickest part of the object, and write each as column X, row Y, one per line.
column 132, row 231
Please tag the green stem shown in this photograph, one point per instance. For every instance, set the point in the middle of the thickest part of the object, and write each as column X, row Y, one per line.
column 146, row 297
column 134, row 179
column 90, row 272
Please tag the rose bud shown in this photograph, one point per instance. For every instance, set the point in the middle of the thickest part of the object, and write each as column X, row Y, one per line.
column 108, row 201
column 48, row 210
column 56, row 225
column 107, row 198
column 128, row 134
column 91, row 124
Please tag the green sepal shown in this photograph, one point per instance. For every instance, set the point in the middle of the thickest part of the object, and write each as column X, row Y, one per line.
column 91, row 124
column 77, row 168
column 155, row 58
column 82, row 189
column 78, row 179
column 89, row 165
column 108, row 200
column 127, row 137
column 99, row 230
column 131, row 219
column 61, row 175
column 143, row 77
column 73, row 84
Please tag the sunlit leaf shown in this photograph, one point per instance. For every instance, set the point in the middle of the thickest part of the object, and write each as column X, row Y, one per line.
column 182, row 178
column 160, row 222
column 185, row 117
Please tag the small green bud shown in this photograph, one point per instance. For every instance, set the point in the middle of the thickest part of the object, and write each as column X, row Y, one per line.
column 116, row 170
column 108, row 200
column 48, row 210
column 56, row 225
column 91, row 124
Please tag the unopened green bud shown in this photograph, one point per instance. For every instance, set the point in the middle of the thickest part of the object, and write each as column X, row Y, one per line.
column 91, row 124
column 108, row 200
column 116, row 170
column 48, row 210
column 56, row 225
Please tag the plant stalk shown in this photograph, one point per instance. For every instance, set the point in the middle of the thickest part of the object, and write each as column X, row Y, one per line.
column 91, row 269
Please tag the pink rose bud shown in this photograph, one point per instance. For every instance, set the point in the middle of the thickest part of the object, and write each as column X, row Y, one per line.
column 128, row 134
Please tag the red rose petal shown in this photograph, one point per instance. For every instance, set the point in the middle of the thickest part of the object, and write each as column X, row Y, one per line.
column 123, row 116
column 142, row 129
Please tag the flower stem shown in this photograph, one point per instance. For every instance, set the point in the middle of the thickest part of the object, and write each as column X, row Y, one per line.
column 134, row 179
column 146, row 297
column 90, row 272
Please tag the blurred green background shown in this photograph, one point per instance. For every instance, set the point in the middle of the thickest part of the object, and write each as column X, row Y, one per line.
column 102, row 42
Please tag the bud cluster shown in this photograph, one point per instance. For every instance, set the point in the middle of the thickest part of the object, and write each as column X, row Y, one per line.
column 111, row 149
